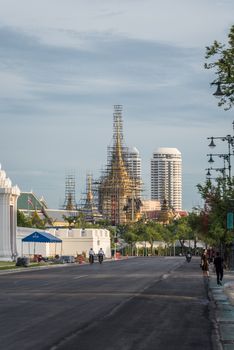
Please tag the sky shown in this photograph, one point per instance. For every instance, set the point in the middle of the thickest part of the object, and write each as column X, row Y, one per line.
column 64, row 64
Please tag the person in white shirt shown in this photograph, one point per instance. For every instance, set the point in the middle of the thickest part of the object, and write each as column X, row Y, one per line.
column 100, row 255
column 91, row 255
column 91, row 252
column 101, row 252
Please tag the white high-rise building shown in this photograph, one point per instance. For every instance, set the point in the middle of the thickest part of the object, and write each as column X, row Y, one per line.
column 134, row 168
column 134, row 163
column 166, row 177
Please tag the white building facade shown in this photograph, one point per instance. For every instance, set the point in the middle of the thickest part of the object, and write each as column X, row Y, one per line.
column 134, row 163
column 134, row 169
column 166, row 177
column 8, row 217
column 74, row 242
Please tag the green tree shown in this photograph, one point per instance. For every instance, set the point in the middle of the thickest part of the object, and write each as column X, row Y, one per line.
column 218, row 199
column 148, row 232
column 130, row 237
column 224, row 68
column 194, row 222
column 169, row 234
column 76, row 220
column 183, row 231
column 23, row 220
column 140, row 234
column 154, row 231
column 37, row 221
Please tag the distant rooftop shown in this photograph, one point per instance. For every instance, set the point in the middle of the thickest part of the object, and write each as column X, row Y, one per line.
column 29, row 201
column 167, row 150
column 133, row 150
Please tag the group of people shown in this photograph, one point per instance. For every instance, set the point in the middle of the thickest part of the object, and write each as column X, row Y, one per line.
column 218, row 265
column 92, row 254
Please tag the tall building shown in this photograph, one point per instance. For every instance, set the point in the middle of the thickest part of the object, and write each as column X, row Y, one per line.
column 166, row 177
column 134, row 163
column 134, row 168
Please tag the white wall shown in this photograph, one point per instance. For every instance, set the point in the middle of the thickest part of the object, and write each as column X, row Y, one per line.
column 75, row 241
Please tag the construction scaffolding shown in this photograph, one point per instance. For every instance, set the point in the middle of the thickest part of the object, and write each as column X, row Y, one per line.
column 119, row 189
column 70, row 193
column 89, row 208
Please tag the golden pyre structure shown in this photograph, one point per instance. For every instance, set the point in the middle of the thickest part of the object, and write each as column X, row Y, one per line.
column 119, row 192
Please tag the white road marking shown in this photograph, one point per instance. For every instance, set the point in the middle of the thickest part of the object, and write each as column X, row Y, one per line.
column 75, row 278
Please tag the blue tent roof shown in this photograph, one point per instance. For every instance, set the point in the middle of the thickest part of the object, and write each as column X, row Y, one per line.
column 42, row 237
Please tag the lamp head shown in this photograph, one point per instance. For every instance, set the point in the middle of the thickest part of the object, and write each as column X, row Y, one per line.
column 218, row 92
column 211, row 160
column 212, row 144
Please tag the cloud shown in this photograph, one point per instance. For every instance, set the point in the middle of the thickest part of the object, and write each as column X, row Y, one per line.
column 60, row 77
column 45, row 77
column 184, row 23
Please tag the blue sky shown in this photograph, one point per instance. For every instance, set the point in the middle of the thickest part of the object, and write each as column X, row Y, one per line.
column 65, row 63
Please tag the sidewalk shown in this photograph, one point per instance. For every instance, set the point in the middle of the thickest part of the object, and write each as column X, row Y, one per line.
column 223, row 297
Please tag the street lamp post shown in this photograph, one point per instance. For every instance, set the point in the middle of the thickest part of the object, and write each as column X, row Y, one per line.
column 226, row 156
column 222, row 170
column 229, row 139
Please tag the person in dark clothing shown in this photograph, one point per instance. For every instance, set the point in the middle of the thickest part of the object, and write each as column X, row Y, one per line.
column 218, row 263
column 205, row 263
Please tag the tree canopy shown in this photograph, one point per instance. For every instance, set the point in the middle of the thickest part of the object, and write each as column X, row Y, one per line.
column 218, row 202
column 224, row 69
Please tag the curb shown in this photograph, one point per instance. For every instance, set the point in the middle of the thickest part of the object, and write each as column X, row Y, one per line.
column 216, row 334
column 229, row 291
column 223, row 301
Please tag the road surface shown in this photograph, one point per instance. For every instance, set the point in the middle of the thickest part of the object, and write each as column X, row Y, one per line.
column 140, row 303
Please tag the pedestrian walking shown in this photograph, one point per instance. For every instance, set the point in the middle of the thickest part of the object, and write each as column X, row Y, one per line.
column 218, row 263
column 205, row 264
column 188, row 256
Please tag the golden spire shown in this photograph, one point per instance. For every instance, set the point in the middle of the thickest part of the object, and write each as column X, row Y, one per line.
column 118, row 167
column 117, row 188
column 89, row 189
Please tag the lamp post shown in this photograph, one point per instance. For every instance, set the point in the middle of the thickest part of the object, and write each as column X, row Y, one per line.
column 222, row 170
column 229, row 139
column 226, row 156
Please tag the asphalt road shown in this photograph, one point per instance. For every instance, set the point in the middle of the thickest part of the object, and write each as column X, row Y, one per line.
column 138, row 303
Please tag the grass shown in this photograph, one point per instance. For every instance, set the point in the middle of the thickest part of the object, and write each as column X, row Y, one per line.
column 3, row 263
column 9, row 265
